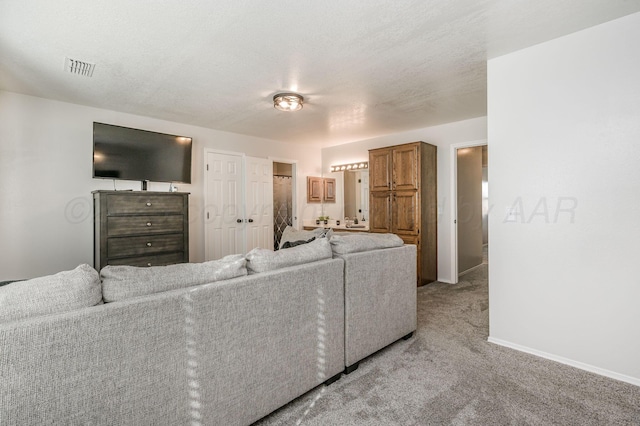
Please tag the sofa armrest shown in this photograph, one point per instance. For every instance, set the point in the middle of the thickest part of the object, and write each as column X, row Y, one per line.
column 380, row 299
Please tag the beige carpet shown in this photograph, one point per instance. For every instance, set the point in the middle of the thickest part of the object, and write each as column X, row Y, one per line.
column 449, row 375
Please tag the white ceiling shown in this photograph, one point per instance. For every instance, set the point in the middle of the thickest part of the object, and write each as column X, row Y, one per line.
column 365, row 67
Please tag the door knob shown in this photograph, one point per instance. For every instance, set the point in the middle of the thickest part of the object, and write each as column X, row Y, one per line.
column 239, row 220
column 250, row 221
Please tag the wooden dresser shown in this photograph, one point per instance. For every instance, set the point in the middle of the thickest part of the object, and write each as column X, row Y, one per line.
column 403, row 199
column 140, row 228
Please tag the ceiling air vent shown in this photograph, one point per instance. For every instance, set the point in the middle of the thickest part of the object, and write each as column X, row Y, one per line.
column 74, row 66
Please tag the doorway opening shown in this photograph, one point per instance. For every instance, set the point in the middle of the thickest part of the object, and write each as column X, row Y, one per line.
column 470, row 207
column 282, row 200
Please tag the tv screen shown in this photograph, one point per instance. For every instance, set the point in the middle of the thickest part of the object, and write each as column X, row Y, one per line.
column 132, row 154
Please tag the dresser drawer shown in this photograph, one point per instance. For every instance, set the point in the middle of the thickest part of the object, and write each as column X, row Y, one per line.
column 136, row 246
column 144, row 204
column 144, row 225
column 157, row 260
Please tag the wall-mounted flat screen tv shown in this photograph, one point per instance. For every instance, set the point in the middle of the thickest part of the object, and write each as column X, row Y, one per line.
column 133, row 154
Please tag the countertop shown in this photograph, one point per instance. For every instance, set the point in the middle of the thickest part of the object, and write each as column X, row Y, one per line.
column 361, row 226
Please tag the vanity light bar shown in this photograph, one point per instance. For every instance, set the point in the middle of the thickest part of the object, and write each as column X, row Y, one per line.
column 352, row 166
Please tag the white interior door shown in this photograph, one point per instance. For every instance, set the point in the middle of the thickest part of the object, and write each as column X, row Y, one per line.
column 364, row 194
column 259, row 203
column 224, row 216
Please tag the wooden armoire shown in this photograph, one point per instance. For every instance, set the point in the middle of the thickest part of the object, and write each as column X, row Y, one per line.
column 403, row 199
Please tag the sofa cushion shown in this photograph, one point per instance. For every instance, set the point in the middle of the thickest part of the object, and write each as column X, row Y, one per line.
column 62, row 292
column 356, row 242
column 262, row 260
column 122, row 282
column 8, row 282
column 290, row 234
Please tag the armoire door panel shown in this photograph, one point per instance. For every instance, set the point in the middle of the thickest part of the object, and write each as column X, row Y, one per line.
column 380, row 212
column 380, row 170
column 405, row 168
column 406, row 212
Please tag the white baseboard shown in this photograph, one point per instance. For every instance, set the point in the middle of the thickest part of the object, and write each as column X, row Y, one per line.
column 567, row 361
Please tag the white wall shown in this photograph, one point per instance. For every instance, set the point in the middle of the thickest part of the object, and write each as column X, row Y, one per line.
column 46, row 147
column 443, row 137
column 564, row 128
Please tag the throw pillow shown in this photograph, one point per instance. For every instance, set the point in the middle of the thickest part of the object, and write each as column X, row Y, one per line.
column 357, row 242
column 61, row 292
column 262, row 260
column 289, row 244
column 291, row 234
column 121, row 282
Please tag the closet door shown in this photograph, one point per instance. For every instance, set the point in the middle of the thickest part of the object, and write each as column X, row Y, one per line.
column 224, row 216
column 259, row 203
column 238, row 204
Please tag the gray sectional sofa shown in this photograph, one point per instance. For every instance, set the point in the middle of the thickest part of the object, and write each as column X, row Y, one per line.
column 218, row 343
column 380, row 295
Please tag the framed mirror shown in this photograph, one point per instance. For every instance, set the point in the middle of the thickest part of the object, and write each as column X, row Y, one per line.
column 356, row 194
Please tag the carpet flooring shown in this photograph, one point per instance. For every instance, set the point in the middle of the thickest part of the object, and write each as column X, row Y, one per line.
column 448, row 374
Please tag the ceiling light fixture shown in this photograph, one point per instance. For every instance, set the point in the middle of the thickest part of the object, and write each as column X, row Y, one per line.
column 288, row 101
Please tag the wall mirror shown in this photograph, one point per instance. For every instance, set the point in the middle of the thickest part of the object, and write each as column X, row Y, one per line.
column 356, row 194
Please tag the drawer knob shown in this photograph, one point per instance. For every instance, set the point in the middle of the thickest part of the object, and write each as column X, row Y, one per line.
column 148, row 204
column 149, row 264
column 148, row 223
column 148, row 244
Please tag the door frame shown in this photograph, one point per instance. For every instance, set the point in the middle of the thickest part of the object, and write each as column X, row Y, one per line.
column 294, row 186
column 453, row 202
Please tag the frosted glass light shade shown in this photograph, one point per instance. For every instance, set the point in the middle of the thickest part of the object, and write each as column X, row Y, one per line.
column 288, row 101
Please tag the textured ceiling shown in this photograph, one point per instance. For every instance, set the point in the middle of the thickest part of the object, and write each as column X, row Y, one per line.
column 365, row 68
